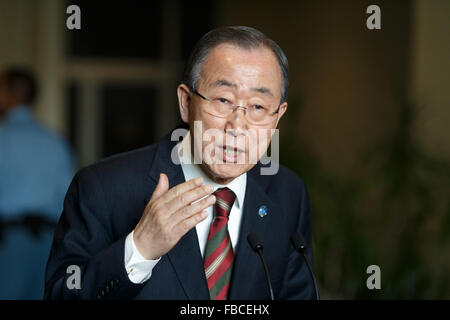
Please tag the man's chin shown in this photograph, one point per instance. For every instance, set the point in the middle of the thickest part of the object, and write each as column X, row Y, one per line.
column 226, row 172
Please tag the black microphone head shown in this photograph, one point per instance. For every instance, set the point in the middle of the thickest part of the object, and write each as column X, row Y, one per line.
column 254, row 241
column 298, row 241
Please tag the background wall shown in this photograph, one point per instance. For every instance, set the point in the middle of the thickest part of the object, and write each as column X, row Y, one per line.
column 430, row 68
column 366, row 125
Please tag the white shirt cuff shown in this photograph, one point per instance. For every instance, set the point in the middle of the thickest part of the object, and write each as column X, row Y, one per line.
column 138, row 268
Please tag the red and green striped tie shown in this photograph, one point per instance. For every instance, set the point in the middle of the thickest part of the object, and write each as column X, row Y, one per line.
column 219, row 255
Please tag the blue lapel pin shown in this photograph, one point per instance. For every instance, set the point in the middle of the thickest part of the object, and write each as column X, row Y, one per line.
column 263, row 211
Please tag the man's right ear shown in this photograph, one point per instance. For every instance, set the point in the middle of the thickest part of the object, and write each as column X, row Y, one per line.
column 184, row 101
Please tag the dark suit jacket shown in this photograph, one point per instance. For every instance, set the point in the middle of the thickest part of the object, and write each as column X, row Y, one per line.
column 106, row 200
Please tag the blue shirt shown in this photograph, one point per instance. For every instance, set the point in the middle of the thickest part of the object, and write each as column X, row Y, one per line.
column 36, row 168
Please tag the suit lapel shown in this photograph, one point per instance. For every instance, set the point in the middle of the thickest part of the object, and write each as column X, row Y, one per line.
column 246, row 260
column 188, row 264
column 185, row 257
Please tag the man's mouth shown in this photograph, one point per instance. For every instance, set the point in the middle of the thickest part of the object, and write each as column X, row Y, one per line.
column 230, row 154
column 232, row 150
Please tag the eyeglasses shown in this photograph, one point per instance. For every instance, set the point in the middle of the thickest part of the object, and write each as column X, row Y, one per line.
column 222, row 108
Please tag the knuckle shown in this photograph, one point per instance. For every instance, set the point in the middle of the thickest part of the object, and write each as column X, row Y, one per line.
column 178, row 192
column 183, row 198
column 199, row 217
column 186, row 225
column 200, row 192
column 196, row 193
column 159, row 210
column 205, row 189
column 184, row 212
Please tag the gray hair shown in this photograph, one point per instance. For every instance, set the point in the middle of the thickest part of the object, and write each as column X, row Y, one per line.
column 241, row 36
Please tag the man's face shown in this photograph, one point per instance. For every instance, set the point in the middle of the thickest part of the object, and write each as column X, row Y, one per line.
column 244, row 78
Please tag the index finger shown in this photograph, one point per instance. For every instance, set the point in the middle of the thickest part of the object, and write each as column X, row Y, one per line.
column 181, row 188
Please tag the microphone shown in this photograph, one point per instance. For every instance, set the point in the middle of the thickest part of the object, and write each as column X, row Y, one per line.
column 257, row 246
column 299, row 245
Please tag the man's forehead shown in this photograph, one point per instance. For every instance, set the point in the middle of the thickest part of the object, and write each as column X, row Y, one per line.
column 222, row 62
column 224, row 51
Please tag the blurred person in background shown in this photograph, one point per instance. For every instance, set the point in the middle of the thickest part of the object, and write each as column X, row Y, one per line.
column 36, row 167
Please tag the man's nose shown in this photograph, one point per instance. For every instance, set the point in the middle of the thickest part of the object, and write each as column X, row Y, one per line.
column 237, row 122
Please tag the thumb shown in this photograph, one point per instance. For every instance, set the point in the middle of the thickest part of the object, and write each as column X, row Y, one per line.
column 161, row 188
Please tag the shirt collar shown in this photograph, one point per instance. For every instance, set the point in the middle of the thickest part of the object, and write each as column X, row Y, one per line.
column 191, row 170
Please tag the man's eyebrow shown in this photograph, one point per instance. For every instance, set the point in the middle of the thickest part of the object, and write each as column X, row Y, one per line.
column 223, row 82
column 226, row 83
column 263, row 90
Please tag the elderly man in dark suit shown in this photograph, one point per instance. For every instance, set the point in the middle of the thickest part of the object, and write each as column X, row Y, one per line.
column 170, row 221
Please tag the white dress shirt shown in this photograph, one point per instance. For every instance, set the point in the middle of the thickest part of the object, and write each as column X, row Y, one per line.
column 138, row 268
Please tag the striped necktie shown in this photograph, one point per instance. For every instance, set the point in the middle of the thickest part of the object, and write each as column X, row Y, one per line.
column 218, row 261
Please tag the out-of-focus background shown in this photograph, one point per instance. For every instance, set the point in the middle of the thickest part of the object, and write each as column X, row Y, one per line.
column 367, row 126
